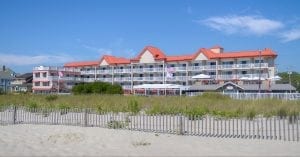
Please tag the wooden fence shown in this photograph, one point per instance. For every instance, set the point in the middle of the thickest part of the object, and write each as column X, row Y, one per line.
column 275, row 128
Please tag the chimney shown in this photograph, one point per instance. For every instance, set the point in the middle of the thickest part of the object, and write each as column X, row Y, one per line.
column 217, row 49
column 3, row 67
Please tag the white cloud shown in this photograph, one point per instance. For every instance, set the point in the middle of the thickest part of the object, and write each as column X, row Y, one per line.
column 290, row 35
column 243, row 24
column 21, row 60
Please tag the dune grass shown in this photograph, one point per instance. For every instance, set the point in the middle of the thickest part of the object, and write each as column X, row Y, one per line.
column 208, row 103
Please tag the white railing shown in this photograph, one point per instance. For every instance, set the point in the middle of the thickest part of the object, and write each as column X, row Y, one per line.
column 147, row 78
column 47, row 68
column 107, row 71
column 120, row 79
column 126, row 70
column 243, row 66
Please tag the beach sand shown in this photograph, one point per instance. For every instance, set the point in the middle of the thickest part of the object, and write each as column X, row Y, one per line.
column 58, row 140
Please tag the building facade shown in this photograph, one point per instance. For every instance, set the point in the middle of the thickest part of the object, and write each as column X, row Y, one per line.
column 6, row 76
column 153, row 66
column 22, row 83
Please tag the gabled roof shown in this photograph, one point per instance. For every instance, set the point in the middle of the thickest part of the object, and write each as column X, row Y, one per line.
column 115, row 60
column 241, row 54
column 82, row 63
column 156, row 52
column 238, row 54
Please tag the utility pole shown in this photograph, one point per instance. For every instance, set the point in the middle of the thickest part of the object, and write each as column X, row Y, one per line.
column 290, row 82
column 259, row 73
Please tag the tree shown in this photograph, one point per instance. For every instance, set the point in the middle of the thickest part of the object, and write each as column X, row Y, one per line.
column 295, row 79
column 97, row 88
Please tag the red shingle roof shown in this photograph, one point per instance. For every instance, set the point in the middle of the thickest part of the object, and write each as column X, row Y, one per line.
column 82, row 63
column 159, row 55
column 179, row 58
column 115, row 60
column 156, row 52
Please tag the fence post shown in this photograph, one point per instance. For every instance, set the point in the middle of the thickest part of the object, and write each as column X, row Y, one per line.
column 85, row 118
column 14, row 114
column 180, row 126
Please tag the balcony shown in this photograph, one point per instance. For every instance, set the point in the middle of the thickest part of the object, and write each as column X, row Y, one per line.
column 90, row 72
column 243, row 77
column 107, row 71
column 147, row 78
column 243, row 66
column 205, row 67
column 126, row 70
column 121, row 79
column 47, row 68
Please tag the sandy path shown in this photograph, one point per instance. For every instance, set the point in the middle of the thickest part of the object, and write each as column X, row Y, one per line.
column 52, row 140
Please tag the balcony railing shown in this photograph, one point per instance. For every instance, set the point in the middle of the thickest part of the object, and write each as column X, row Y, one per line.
column 47, row 68
column 107, row 71
column 243, row 77
column 243, row 66
column 147, row 78
column 121, row 79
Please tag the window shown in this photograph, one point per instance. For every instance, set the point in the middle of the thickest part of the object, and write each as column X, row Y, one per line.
column 44, row 74
column 228, row 72
column 212, row 63
column 244, row 72
column 37, row 75
column 212, row 73
column 257, row 61
column 45, row 83
column 37, row 83
column 196, row 64
column 243, row 62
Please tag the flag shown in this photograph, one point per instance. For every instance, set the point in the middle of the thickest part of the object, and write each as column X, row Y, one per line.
column 169, row 72
column 60, row 74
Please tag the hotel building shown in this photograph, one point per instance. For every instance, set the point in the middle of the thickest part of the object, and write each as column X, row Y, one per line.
column 153, row 66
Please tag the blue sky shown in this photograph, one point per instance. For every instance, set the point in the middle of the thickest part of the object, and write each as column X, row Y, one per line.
column 53, row 32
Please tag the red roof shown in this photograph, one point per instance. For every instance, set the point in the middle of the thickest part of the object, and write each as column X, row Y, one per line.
column 243, row 54
column 239, row 54
column 159, row 55
column 82, row 63
column 179, row 58
column 115, row 60
column 156, row 52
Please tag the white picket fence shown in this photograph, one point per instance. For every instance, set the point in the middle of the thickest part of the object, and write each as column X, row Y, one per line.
column 253, row 96
column 275, row 128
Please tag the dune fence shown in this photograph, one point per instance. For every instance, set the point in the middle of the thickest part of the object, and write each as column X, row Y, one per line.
column 284, row 128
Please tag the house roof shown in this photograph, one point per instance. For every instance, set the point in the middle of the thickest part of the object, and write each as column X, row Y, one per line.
column 26, row 75
column 179, row 58
column 81, row 63
column 114, row 60
column 159, row 55
column 156, row 52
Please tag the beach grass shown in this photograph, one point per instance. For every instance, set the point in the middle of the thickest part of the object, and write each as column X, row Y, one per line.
column 208, row 103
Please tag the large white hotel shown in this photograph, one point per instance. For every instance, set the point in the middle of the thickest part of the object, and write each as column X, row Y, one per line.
column 153, row 66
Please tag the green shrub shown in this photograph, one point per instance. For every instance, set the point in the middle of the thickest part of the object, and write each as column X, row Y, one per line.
column 133, row 106
column 251, row 114
column 32, row 105
column 97, row 88
column 51, row 97
column 214, row 96
column 282, row 112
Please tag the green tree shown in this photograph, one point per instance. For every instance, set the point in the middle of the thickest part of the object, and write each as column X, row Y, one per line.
column 295, row 79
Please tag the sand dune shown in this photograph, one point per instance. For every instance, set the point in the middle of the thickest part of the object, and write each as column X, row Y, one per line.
column 54, row 140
